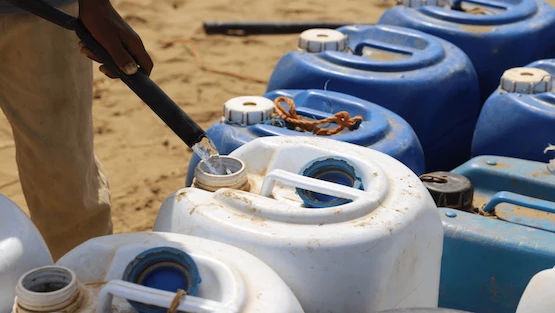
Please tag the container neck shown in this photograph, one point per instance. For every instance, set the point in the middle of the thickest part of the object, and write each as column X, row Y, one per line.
column 48, row 289
column 237, row 179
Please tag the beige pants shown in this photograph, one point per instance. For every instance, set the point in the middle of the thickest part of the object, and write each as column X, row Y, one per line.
column 46, row 94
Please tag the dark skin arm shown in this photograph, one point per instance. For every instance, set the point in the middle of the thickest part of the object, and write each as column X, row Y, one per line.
column 115, row 35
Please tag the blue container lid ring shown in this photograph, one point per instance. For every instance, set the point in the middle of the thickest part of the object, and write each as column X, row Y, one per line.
column 333, row 169
column 163, row 268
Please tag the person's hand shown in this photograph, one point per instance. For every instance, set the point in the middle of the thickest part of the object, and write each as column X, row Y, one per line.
column 115, row 35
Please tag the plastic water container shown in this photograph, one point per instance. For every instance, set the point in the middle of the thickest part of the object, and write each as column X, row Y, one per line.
column 246, row 118
column 426, row 80
column 495, row 34
column 349, row 229
column 539, row 295
column 499, row 220
column 154, row 273
column 518, row 119
column 22, row 248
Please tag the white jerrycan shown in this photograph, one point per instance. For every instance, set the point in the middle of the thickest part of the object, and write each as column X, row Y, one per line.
column 539, row 295
column 142, row 272
column 22, row 248
column 357, row 232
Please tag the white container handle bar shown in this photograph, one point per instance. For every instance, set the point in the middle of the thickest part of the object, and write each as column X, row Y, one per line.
column 157, row 297
column 311, row 184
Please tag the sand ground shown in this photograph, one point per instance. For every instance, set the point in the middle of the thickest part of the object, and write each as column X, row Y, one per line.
column 144, row 159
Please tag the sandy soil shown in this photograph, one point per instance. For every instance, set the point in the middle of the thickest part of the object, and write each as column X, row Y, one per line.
column 144, row 159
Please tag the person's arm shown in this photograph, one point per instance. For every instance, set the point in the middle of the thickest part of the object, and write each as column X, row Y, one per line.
column 115, row 35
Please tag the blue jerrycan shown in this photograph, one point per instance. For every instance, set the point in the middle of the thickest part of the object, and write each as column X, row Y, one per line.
column 499, row 225
column 426, row 80
column 495, row 34
column 518, row 119
column 247, row 118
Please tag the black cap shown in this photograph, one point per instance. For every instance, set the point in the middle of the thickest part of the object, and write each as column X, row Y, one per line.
column 449, row 190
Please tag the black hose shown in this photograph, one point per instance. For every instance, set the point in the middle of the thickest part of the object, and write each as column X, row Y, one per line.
column 265, row 28
column 178, row 121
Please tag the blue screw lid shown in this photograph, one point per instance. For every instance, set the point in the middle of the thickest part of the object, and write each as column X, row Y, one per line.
column 333, row 169
column 164, row 268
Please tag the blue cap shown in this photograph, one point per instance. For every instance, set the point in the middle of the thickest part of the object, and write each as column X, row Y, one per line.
column 164, row 268
column 333, row 169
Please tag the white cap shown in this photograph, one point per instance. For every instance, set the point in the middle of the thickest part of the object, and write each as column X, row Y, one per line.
column 322, row 39
column 421, row 3
column 526, row 80
column 248, row 110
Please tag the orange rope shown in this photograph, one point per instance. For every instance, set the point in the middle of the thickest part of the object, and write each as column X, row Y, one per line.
column 194, row 47
column 343, row 119
column 175, row 302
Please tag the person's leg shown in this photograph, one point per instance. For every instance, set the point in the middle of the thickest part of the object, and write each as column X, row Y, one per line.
column 46, row 94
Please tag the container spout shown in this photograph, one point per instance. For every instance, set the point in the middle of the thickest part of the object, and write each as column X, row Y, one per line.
column 236, row 178
column 209, row 154
column 48, row 289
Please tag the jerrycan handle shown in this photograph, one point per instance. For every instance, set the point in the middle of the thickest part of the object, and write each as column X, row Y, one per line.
column 156, row 297
column 520, row 200
column 544, row 219
column 309, row 183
